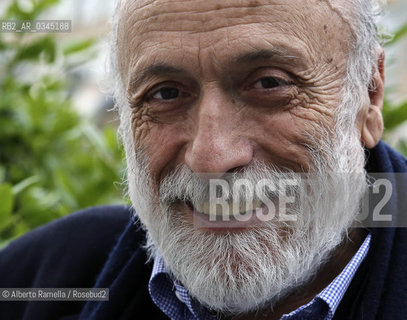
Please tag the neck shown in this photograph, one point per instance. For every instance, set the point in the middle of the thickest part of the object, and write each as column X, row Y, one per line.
column 340, row 258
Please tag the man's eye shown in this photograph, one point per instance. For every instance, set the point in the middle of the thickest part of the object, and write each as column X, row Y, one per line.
column 268, row 83
column 166, row 94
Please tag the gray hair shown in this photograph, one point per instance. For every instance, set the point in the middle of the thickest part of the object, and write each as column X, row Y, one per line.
column 362, row 15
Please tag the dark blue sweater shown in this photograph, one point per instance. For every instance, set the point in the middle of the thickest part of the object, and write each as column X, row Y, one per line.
column 80, row 251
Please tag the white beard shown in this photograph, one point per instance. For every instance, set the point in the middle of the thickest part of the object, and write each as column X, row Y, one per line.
column 253, row 269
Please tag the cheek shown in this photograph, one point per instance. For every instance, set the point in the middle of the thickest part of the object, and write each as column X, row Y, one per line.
column 281, row 141
column 314, row 114
column 283, row 138
column 312, row 120
column 141, row 126
column 161, row 143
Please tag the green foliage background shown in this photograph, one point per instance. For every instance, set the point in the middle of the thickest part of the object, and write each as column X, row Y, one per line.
column 395, row 114
column 52, row 161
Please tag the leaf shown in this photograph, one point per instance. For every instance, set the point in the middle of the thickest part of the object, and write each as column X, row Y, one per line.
column 6, row 203
column 32, row 51
column 394, row 116
column 2, row 173
column 79, row 46
column 19, row 229
column 398, row 35
column 26, row 183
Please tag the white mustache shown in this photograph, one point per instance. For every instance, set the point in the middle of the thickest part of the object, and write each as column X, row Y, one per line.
column 184, row 185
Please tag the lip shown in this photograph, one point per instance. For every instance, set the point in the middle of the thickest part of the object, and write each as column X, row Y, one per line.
column 202, row 221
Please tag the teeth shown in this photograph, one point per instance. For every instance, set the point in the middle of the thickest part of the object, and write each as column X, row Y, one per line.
column 204, row 207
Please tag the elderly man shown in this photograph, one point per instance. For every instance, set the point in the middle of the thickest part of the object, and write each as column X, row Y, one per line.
column 258, row 91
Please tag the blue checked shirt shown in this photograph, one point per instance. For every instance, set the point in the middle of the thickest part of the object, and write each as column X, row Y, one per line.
column 173, row 299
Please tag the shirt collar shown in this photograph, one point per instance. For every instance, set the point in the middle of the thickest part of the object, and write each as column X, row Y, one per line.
column 334, row 292
column 171, row 297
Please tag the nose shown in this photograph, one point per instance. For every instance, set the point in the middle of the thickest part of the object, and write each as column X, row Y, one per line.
column 219, row 144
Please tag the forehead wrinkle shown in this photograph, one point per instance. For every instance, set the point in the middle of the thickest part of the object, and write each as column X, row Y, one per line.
column 145, row 16
column 186, row 22
column 263, row 54
column 282, row 25
column 201, row 22
column 207, row 15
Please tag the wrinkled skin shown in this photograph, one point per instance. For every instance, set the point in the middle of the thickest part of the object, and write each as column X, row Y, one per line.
column 217, row 84
column 216, row 55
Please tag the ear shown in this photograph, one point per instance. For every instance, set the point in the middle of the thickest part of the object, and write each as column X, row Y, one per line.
column 372, row 126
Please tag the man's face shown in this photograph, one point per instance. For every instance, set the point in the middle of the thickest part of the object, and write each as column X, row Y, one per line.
column 215, row 85
column 246, row 87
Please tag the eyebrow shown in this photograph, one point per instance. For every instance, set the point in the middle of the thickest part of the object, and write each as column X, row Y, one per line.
column 155, row 70
column 160, row 69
